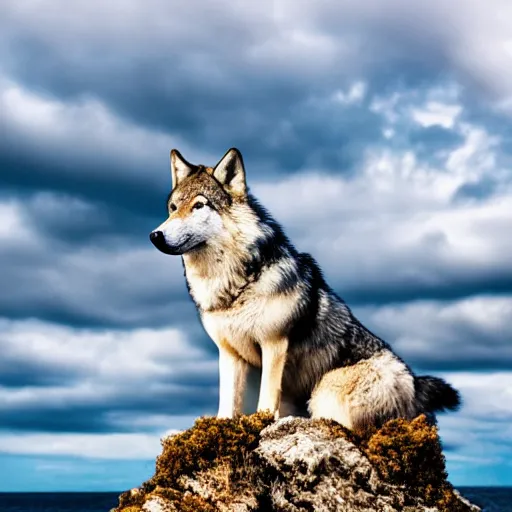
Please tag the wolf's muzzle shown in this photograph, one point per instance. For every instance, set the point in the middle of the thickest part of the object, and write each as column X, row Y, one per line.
column 158, row 240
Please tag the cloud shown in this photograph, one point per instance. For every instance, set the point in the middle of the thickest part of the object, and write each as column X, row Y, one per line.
column 436, row 114
column 355, row 94
column 108, row 446
column 72, row 261
column 83, row 380
column 264, row 50
column 470, row 334
column 377, row 134
column 480, row 433
column 399, row 229
column 262, row 72
column 433, row 239
column 83, row 149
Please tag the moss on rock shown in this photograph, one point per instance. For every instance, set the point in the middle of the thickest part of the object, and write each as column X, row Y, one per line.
column 210, row 443
column 219, row 464
column 409, row 453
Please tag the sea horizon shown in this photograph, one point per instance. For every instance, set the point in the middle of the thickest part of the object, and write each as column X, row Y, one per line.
column 490, row 498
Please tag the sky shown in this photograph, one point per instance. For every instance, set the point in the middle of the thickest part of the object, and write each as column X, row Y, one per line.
column 378, row 133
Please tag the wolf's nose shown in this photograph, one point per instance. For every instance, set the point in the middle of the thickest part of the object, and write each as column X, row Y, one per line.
column 157, row 237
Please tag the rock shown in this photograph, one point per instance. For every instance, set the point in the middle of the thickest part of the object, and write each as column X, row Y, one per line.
column 157, row 504
column 298, row 464
column 472, row 507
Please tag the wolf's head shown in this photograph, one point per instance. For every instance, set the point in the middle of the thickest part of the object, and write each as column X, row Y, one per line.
column 200, row 199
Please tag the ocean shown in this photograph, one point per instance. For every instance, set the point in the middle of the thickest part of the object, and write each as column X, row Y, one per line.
column 492, row 499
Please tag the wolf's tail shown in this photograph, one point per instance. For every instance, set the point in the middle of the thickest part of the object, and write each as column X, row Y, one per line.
column 434, row 394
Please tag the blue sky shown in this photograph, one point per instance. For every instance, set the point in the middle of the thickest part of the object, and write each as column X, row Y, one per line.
column 378, row 133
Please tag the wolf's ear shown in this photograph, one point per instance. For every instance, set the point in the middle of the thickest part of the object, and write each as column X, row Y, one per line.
column 180, row 168
column 230, row 173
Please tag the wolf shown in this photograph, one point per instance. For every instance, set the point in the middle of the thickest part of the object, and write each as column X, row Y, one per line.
column 266, row 305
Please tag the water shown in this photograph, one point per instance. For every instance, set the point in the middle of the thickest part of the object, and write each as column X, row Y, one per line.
column 493, row 499
column 58, row 502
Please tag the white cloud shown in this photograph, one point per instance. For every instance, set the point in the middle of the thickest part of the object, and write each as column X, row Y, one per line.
column 101, row 446
column 289, row 38
column 13, row 229
column 95, row 368
column 106, row 354
column 435, row 105
column 393, row 222
column 483, row 48
column 115, row 446
column 476, row 157
column 469, row 332
column 434, row 113
column 355, row 94
column 387, row 106
column 106, row 366
column 388, row 133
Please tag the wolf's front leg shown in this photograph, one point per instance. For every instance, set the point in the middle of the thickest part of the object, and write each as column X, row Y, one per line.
column 232, row 381
column 273, row 354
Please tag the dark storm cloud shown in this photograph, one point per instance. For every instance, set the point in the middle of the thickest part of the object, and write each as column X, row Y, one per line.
column 338, row 142
column 94, row 289
column 89, row 265
column 16, row 373
column 81, row 264
column 231, row 77
column 69, row 221
column 117, row 182
column 173, row 92
column 452, row 360
column 441, row 287
column 283, row 100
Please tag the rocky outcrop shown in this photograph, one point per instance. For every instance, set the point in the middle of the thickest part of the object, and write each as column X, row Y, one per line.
column 298, row 464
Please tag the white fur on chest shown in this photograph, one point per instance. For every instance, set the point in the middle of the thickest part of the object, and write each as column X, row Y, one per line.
column 245, row 328
column 206, row 291
column 260, row 314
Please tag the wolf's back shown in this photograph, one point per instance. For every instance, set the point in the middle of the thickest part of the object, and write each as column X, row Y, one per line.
column 434, row 394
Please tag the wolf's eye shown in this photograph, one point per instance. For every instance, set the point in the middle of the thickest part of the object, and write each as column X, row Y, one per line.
column 198, row 206
column 173, row 207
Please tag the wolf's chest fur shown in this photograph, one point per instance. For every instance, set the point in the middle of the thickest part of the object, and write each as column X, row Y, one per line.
column 240, row 312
